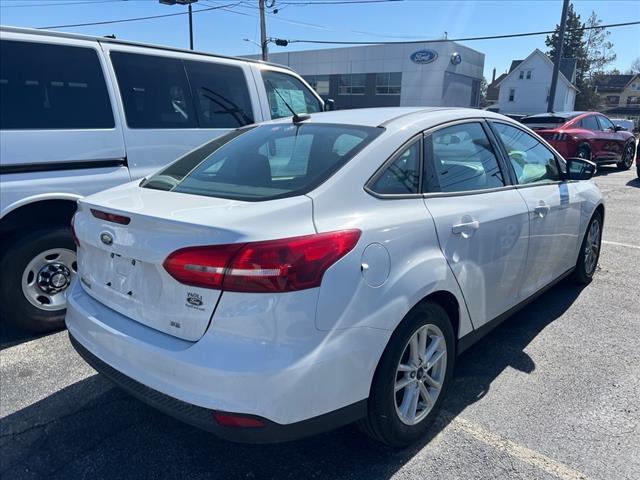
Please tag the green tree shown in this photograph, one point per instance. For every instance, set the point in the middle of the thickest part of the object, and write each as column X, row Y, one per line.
column 592, row 52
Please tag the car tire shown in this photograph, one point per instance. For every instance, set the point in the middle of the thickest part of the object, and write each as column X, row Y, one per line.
column 584, row 151
column 384, row 421
column 628, row 154
column 34, row 300
column 589, row 253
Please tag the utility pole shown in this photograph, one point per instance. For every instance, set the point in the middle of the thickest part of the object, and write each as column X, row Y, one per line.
column 263, row 33
column 556, row 62
column 188, row 3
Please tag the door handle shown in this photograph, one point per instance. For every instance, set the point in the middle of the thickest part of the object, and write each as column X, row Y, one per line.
column 465, row 229
column 542, row 209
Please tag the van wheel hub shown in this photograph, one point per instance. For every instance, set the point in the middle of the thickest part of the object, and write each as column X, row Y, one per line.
column 54, row 278
column 47, row 276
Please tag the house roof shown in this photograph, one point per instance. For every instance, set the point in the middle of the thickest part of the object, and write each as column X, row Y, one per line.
column 568, row 68
column 516, row 63
column 612, row 83
column 493, row 90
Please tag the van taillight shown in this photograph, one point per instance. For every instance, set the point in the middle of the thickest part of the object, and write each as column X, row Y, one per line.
column 282, row 265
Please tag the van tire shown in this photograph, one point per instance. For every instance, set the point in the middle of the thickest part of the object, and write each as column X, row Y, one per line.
column 383, row 422
column 18, row 252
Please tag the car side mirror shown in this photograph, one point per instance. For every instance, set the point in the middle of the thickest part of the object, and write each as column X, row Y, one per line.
column 580, row 169
column 329, row 105
column 619, row 128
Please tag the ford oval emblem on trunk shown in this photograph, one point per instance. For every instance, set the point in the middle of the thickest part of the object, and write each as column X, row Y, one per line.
column 424, row 56
column 106, row 238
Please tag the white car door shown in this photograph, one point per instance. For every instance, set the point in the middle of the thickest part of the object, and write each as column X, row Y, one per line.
column 481, row 220
column 554, row 207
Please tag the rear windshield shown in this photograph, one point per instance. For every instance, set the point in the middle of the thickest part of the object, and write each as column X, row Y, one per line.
column 551, row 121
column 266, row 162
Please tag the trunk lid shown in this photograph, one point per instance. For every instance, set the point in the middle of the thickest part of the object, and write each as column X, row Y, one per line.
column 121, row 265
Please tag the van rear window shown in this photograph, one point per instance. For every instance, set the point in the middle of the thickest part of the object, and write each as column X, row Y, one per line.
column 52, row 87
column 266, row 162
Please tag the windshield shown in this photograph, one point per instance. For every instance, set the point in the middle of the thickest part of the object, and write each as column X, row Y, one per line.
column 266, row 162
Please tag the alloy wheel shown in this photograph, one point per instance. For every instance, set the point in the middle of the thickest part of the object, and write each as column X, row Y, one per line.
column 47, row 276
column 420, row 374
column 592, row 247
column 627, row 158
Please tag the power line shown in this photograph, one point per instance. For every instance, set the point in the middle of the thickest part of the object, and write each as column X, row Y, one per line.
column 135, row 19
column 464, row 39
column 59, row 4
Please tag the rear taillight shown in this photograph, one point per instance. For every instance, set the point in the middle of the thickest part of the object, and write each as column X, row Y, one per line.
column 282, row 265
column 110, row 217
column 238, row 421
column 559, row 136
column 73, row 231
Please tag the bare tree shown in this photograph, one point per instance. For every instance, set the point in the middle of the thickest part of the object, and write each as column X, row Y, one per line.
column 599, row 48
column 635, row 66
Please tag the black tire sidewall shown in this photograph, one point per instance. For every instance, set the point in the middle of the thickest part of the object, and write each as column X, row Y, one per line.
column 385, row 420
column 622, row 165
column 585, row 147
column 18, row 251
column 580, row 274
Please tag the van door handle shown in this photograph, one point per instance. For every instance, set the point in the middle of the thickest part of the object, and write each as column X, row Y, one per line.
column 542, row 209
column 465, row 229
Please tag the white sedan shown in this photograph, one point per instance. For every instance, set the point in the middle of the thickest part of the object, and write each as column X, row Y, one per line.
column 295, row 276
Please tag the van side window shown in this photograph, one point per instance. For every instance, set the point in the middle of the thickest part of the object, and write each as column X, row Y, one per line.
column 221, row 93
column 52, row 87
column 282, row 88
column 155, row 91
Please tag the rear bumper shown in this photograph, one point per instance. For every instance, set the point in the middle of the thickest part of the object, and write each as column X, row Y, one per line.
column 284, row 380
column 203, row 418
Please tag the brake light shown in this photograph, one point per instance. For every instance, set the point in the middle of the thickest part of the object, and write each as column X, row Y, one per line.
column 284, row 265
column 73, row 231
column 559, row 136
column 110, row 217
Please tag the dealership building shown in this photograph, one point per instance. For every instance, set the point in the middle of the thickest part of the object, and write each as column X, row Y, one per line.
column 441, row 73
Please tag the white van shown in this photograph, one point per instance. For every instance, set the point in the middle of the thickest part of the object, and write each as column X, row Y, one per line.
column 79, row 114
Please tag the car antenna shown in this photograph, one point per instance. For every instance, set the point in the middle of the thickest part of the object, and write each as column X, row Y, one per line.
column 297, row 117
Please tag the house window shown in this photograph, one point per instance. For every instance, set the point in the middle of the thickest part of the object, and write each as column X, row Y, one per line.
column 512, row 94
column 635, row 86
column 613, row 99
column 352, row 84
column 521, row 74
column 633, row 100
column 388, row 83
column 528, row 74
column 320, row 83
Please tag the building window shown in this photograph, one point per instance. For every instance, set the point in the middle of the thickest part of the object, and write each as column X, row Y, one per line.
column 633, row 100
column 613, row 99
column 320, row 83
column 521, row 74
column 528, row 74
column 512, row 94
column 388, row 83
column 352, row 84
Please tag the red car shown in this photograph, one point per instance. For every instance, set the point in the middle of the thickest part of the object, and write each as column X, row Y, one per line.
column 588, row 135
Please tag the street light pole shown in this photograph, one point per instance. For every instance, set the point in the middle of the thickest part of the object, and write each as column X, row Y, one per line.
column 188, row 4
column 263, row 33
column 556, row 61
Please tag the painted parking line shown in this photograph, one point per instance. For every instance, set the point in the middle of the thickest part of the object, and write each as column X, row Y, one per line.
column 519, row 452
column 628, row 245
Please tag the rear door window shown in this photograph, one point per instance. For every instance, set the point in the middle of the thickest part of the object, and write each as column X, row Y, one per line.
column 46, row 86
column 402, row 176
column 462, row 159
column 283, row 89
column 221, row 95
column 265, row 162
column 590, row 123
column 155, row 91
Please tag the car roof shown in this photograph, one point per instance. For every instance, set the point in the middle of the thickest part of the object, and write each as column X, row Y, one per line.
column 387, row 116
column 95, row 38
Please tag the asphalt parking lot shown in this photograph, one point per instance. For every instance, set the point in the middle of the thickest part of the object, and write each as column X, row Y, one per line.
column 552, row 393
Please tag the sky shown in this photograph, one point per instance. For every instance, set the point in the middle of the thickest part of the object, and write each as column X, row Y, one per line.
column 222, row 30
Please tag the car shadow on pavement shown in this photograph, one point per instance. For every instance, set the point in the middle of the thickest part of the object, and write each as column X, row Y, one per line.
column 634, row 183
column 604, row 170
column 91, row 429
column 11, row 336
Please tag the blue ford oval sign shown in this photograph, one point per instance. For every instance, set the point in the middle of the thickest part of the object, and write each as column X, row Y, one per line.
column 424, row 56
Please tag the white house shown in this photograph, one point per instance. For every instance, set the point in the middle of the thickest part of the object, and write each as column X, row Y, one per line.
column 525, row 89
